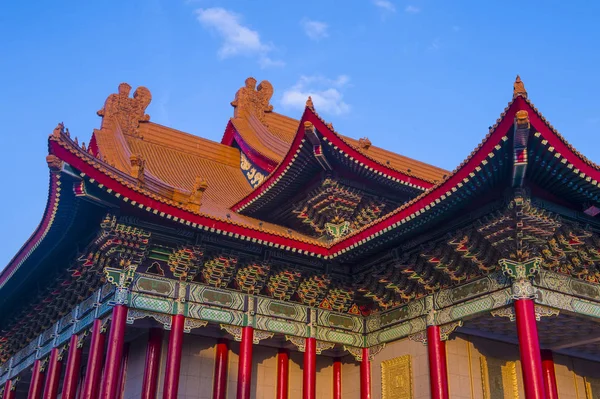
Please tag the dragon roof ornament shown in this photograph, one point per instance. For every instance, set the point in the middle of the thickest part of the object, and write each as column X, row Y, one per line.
column 253, row 100
column 125, row 111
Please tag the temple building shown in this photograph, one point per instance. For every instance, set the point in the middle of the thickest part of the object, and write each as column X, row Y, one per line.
column 291, row 261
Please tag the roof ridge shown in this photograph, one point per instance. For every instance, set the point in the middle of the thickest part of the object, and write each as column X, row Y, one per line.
column 329, row 126
column 377, row 148
column 584, row 158
column 427, row 192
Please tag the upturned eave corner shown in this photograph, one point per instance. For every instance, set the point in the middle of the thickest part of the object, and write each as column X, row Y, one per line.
column 55, row 167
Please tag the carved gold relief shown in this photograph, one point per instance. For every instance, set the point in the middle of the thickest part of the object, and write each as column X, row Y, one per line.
column 499, row 379
column 592, row 387
column 396, row 378
column 252, row 174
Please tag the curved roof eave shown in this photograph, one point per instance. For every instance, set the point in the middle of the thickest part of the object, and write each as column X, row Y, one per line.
column 119, row 186
column 39, row 233
column 334, row 139
column 582, row 166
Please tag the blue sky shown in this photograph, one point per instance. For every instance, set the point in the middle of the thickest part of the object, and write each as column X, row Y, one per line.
column 422, row 78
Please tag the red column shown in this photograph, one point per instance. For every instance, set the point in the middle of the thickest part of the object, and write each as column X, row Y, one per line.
column 123, row 372
column 171, row 385
column 93, row 372
column 53, row 375
column 73, row 367
column 37, row 381
column 529, row 347
column 438, row 373
column 365, row 375
column 220, row 378
column 8, row 391
column 114, row 353
column 79, row 388
column 245, row 364
column 549, row 375
column 337, row 378
column 283, row 371
column 153, row 349
column 309, row 386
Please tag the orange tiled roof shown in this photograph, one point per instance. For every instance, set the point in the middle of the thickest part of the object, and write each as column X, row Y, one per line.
column 177, row 159
column 274, row 138
column 174, row 160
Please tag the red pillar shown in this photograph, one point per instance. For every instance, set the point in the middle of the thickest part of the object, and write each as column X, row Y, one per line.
column 529, row 347
column 438, row 373
column 116, row 340
column 53, row 375
column 73, row 367
column 337, row 378
column 245, row 364
column 309, row 386
column 123, row 372
column 79, row 388
column 283, row 371
column 365, row 375
column 37, row 381
column 93, row 372
column 9, row 393
column 171, row 385
column 549, row 375
column 153, row 349
column 220, row 378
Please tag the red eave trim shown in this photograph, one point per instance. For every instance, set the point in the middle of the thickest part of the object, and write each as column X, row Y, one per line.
column 427, row 198
column 228, row 135
column 346, row 148
column 332, row 137
column 559, row 144
column 268, row 182
column 232, row 135
column 94, row 145
column 159, row 206
column 37, row 236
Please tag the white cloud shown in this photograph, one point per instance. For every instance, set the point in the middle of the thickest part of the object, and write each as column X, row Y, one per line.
column 267, row 62
column 326, row 94
column 385, row 5
column 238, row 39
column 315, row 30
column 412, row 9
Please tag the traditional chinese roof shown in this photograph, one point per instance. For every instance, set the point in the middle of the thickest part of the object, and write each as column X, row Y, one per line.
column 524, row 180
column 192, row 182
column 266, row 136
column 256, row 139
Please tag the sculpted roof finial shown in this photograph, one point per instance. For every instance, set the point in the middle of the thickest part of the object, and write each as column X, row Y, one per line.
column 127, row 112
column 58, row 130
column 195, row 199
column 309, row 103
column 364, row 143
column 138, row 165
column 249, row 100
column 519, row 88
column 54, row 163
